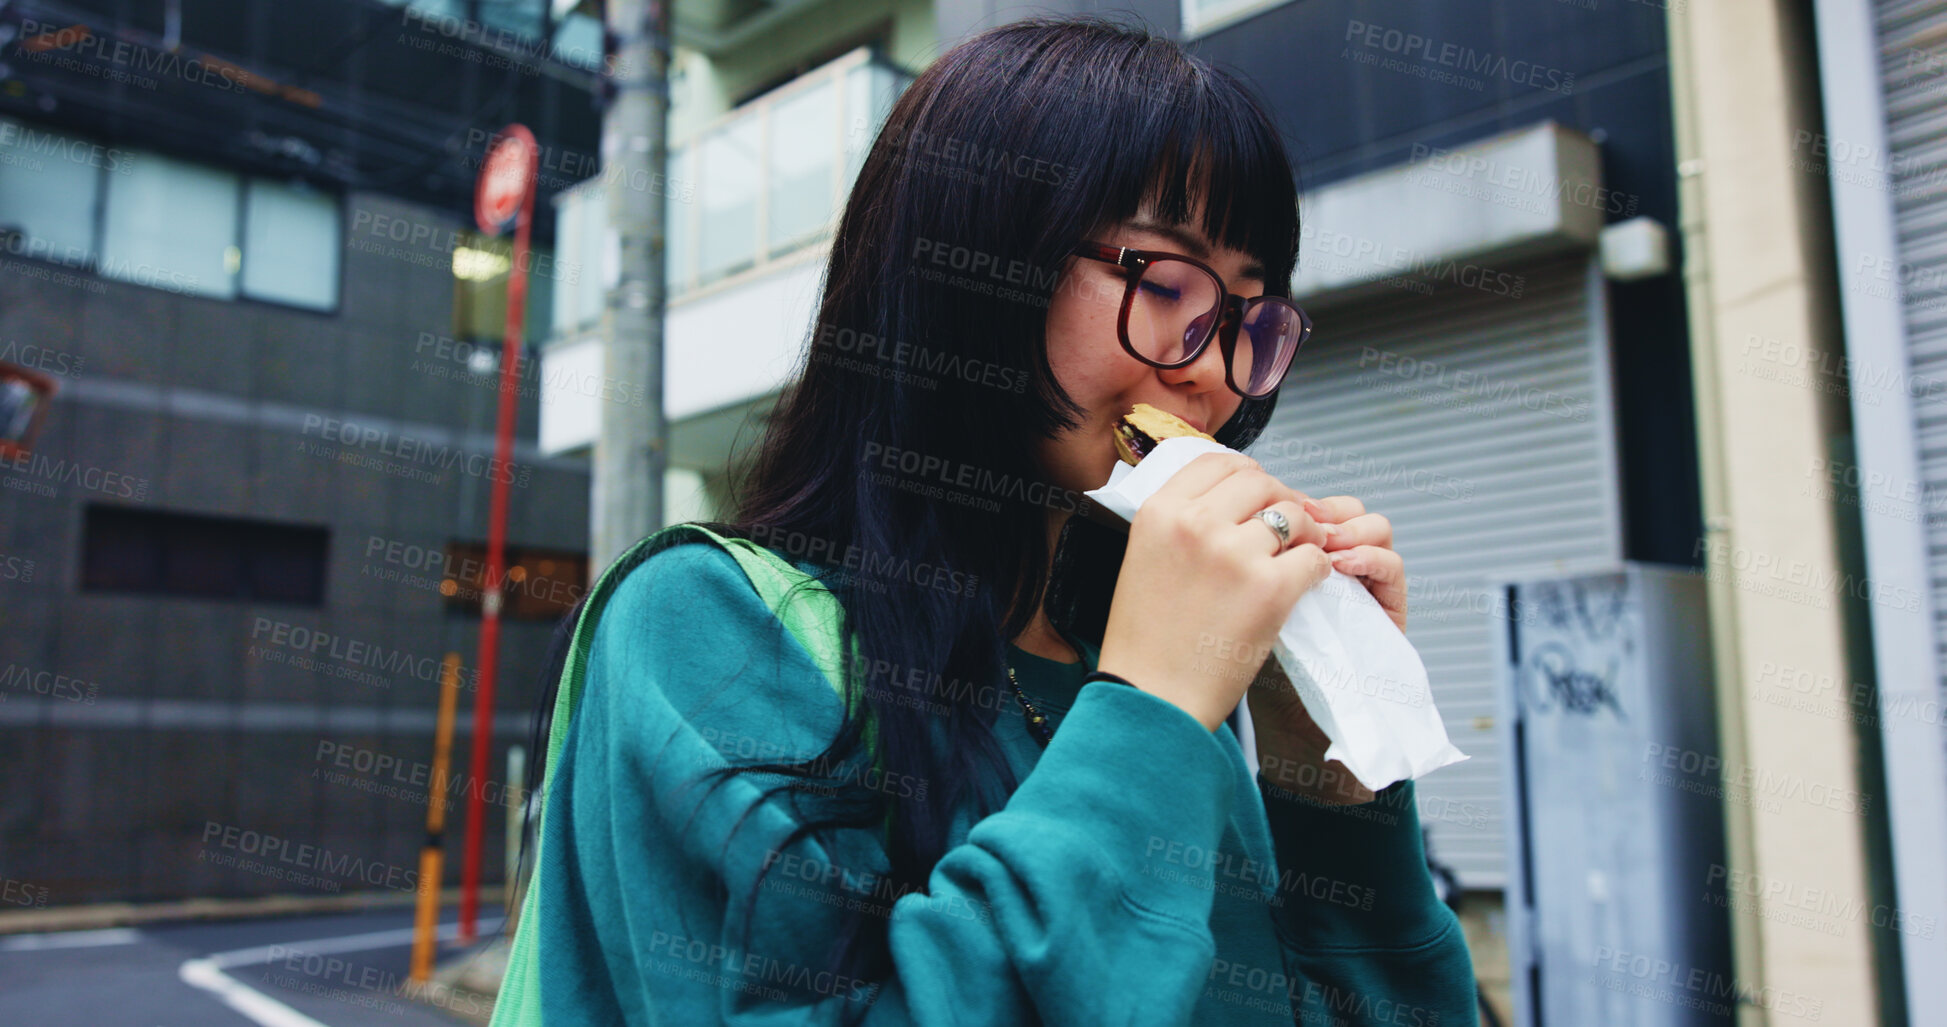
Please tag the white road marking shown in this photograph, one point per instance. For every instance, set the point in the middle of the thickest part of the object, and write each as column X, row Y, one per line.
column 207, row 972
column 70, row 939
column 256, row 1005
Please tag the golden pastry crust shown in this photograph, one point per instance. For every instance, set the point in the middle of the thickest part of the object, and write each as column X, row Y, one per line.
column 1144, row 426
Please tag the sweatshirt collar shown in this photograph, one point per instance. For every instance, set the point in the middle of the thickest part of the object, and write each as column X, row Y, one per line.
column 1052, row 683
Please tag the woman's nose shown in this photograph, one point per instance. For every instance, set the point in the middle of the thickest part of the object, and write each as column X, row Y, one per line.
column 1206, row 372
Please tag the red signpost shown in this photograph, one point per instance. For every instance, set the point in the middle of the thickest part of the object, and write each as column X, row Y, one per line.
column 503, row 196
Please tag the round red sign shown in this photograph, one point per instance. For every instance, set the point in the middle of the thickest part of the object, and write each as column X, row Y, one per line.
column 505, row 178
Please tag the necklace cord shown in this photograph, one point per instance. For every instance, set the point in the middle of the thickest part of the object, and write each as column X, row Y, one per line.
column 1038, row 723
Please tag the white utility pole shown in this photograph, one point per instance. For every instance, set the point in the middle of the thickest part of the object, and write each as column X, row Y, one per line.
column 631, row 448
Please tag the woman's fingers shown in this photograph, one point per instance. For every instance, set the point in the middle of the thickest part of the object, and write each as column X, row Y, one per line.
column 1384, row 573
column 1360, row 544
column 1240, row 497
column 1335, row 509
column 1204, row 471
column 1303, row 528
column 1362, row 530
column 1375, row 563
column 1306, row 563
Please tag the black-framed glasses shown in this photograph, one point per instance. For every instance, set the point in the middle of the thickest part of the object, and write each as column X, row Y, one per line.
column 1174, row 305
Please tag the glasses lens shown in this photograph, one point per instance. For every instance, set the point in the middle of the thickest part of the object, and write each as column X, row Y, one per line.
column 1174, row 306
column 1271, row 334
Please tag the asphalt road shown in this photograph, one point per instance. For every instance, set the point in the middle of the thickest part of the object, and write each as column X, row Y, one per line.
column 341, row 970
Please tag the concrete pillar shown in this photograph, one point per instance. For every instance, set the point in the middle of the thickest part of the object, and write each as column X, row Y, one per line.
column 1756, row 234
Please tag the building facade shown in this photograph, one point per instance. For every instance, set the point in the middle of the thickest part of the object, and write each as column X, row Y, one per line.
column 239, row 242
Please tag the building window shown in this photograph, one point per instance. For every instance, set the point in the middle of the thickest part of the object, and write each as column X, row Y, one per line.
column 49, row 189
column 290, row 244
column 172, row 225
column 141, row 217
column 517, row 17
column 151, row 552
column 431, row 9
column 539, row 584
column 578, row 41
column 1203, row 16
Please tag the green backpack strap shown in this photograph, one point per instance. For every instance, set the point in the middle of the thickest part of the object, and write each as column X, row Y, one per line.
column 812, row 614
column 807, row 609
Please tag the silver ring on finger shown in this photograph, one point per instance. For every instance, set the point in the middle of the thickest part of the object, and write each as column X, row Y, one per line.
column 1279, row 525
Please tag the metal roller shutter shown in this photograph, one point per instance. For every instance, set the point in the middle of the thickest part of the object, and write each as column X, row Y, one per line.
column 1913, row 55
column 1480, row 424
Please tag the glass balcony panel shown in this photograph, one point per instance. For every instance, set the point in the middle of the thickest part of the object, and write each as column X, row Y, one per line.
column 870, row 90
column 679, row 211
column 728, row 191
column 803, row 158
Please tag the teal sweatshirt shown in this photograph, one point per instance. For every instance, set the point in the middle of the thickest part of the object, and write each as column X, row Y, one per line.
column 1137, row 875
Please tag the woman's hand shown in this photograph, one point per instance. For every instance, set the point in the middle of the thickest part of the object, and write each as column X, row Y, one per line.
column 1203, row 588
column 1361, row 544
column 1290, row 745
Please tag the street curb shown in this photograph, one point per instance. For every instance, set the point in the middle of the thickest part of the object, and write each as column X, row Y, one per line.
column 127, row 914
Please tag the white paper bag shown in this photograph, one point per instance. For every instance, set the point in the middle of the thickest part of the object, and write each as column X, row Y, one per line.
column 1359, row 677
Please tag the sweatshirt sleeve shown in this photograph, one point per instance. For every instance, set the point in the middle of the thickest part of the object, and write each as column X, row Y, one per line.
column 1364, row 933
column 1050, row 909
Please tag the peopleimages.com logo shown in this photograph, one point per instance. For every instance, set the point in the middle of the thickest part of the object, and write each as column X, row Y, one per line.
column 1432, row 54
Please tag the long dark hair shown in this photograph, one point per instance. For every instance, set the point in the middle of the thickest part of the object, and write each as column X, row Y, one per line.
column 1008, row 150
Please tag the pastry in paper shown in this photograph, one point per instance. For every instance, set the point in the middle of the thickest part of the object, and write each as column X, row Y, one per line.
column 1360, row 679
column 1144, row 426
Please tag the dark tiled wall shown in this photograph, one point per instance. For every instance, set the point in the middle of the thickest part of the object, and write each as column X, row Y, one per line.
column 121, row 811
